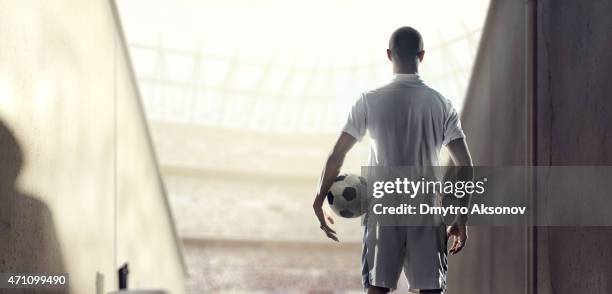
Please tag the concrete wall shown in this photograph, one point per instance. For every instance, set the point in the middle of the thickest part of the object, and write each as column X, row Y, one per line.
column 574, row 127
column 146, row 233
column 79, row 184
column 494, row 119
column 571, row 126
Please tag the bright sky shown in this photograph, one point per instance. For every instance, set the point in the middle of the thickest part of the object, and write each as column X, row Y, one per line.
column 297, row 26
column 314, row 36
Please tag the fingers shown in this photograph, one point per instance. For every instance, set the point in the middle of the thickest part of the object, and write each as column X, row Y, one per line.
column 458, row 243
column 321, row 216
column 329, row 232
column 452, row 249
column 326, row 228
column 332, row 236
column 459, row 236
column 457, row 246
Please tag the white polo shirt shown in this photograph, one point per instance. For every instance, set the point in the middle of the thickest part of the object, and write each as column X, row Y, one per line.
column 408, row 123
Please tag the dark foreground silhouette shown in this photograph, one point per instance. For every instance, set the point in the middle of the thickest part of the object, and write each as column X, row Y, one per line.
column 28, row 242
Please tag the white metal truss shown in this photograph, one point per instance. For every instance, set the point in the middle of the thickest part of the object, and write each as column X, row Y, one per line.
column 232, row 91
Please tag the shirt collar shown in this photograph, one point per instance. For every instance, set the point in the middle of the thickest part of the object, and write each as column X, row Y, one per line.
column 406, row 77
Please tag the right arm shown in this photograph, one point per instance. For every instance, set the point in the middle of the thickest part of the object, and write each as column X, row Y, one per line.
column 461, row 157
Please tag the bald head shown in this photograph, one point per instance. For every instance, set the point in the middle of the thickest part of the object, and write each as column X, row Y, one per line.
column 406, row 43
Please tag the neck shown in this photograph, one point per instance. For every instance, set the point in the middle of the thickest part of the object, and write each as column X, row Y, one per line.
column 405, row 68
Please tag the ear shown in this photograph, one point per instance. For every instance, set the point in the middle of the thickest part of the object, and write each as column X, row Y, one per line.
column 421, row 55
column 389, row 55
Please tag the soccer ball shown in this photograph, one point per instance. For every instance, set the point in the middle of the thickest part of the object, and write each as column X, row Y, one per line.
column 346, row 195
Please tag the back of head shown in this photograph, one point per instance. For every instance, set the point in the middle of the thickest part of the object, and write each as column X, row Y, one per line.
column 406, row 43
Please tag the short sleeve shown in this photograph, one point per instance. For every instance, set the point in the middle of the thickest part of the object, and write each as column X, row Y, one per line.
column 452, row 126
column 356, row 122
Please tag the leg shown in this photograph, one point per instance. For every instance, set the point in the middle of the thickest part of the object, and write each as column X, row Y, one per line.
column 426, row 264
column 377, row 290
column 382, row 258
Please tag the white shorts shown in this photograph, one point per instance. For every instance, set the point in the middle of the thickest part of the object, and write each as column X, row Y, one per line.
column 420, row 251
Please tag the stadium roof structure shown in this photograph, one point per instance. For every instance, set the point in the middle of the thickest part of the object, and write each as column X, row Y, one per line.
column 286, row 67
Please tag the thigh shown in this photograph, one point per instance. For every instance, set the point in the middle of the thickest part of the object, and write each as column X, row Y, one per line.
column 383, row 255
column 425, row 264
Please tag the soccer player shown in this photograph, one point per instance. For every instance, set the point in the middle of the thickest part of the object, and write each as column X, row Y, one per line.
column 409, row 123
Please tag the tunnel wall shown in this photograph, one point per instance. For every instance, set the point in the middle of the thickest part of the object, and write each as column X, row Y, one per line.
column 571, row 126
column 146, row 234
column 494, row 120
column 80, row 188
column 574, row 127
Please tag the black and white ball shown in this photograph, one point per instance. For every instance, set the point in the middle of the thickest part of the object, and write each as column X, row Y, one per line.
column 346, row 195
